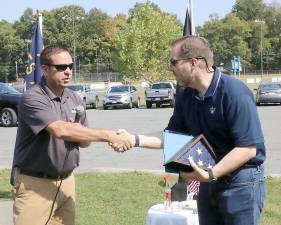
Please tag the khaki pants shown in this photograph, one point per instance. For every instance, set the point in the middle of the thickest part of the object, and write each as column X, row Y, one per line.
column 33, row 199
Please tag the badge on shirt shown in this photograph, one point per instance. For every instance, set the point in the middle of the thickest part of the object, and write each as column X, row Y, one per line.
column 212, row 109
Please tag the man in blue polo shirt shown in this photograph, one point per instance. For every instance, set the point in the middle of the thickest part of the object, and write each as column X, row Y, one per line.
column 223, row 109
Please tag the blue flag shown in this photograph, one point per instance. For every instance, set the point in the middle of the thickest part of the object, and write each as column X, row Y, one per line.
column 33, row 70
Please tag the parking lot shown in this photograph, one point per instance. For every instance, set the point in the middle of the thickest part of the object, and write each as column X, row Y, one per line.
column 145, row 121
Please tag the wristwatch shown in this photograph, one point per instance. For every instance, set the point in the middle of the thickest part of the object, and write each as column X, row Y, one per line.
column 137, row 140
column 212, row 178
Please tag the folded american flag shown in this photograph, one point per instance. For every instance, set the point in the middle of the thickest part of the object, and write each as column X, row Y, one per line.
column 193, row 187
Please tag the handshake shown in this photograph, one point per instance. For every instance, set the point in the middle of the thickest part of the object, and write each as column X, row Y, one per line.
column 121, row 140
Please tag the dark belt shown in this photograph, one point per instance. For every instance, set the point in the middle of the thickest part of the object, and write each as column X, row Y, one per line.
column 43, row 175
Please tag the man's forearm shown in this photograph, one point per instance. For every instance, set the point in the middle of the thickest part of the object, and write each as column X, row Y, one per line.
column 233, row 160
column 150, row 141
column 77, row 133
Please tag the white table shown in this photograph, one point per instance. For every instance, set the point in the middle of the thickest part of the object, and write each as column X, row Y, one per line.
column 178, row 215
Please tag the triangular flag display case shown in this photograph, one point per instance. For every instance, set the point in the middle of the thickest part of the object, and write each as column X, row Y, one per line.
column 179, row 149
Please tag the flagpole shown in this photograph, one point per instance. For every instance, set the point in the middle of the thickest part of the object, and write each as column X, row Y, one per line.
column 191, row 18
column 40, row 21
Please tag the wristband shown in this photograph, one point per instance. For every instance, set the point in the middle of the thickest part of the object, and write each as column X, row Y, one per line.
column 137, row 140
column 212, row 178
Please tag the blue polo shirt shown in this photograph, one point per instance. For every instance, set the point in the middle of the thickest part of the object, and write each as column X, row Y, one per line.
column 226, row 115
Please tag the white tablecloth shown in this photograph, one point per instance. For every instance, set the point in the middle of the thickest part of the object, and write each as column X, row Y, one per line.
column 178, row 215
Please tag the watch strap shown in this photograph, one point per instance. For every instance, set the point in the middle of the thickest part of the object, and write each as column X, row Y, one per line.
column 137, row 140
column 212, row 178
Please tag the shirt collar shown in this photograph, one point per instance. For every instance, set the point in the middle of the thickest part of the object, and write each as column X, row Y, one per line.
column 52, row 96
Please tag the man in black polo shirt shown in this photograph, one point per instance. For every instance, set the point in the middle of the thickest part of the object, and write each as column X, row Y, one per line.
column 223, row 109
column 47, row 145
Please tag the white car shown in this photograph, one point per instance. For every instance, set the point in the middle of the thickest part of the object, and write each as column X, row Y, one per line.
column 121, row 96
column 88, row 95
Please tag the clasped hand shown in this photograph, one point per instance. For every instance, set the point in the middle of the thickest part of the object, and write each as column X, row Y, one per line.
column 123, row 141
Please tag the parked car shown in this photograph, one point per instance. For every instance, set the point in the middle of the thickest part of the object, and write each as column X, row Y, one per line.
column 160, row 93
column 89, row 96
column 121, row 96
column 268, row 93
column 18, row 87
column 9, row 99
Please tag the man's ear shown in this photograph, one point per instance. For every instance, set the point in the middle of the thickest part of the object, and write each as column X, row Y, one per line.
column 193, row 61
column 44, row 68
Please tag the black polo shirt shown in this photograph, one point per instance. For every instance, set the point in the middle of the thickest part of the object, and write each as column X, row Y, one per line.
column 226, row 115
column 35, row 149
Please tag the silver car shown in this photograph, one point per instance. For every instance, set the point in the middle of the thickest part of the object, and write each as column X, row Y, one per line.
column 121, row 96
column 88, row 95
column 268, row 93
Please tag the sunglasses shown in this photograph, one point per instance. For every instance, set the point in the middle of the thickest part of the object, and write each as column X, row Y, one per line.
column 62, row 67
column 174, row 62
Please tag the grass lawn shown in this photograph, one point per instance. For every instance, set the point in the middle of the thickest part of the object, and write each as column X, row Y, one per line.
column 124, row 198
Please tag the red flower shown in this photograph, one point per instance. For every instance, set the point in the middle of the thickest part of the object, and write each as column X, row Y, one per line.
column 167, row 180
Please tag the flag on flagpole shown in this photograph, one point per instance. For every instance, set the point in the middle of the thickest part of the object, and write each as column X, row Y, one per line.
column 33, row 70
column 189, row 28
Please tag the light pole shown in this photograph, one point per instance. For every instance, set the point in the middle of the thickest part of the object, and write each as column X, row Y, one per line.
column 96, row 40
column 261, row 57
column 17, row 75
column 73, row 18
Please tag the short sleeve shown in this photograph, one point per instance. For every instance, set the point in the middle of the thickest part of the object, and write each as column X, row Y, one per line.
column 243, row 121
column 37, row 112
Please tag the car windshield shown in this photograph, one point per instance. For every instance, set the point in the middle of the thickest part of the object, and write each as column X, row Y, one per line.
column 119, row 89
column 161, row 86
column 6, row 89
column 270, row 86
column 76, row 87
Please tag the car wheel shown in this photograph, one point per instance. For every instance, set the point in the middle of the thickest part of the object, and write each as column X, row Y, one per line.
column 258, row 103
column 158, row 105
column 130, row 105
column 105, row 107
column 95, row 104
column 172, row 104
column 148, row 105
column 138, row 103
column 8, row 117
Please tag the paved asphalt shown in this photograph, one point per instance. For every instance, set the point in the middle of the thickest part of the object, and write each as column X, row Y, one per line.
column 99, row 156
column 145, row 121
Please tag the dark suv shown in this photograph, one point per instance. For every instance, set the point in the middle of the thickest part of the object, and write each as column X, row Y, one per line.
column 9, row 99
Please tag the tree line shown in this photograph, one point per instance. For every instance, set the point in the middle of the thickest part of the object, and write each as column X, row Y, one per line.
column 137, row 45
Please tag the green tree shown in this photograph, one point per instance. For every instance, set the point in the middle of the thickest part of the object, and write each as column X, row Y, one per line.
column 249, row 9
column 142, row 47
column 11, row 51
column 227, row 38
column 272, row 53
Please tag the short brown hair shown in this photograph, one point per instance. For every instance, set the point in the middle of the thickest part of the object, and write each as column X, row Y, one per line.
column 45, row 56
column 195, row 46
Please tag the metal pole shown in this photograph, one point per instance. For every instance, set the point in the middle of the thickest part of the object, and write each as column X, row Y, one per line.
column 97, row 61
column 261, row 53
column 17, row 75
column 74, row 50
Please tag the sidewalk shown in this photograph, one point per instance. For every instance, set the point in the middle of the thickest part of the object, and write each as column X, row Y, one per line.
column 6, row 209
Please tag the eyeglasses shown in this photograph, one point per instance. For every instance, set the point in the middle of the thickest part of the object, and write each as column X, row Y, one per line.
column 62, row 67
column 173, row 62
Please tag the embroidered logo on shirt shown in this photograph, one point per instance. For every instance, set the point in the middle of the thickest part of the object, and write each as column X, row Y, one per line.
column 212, row 110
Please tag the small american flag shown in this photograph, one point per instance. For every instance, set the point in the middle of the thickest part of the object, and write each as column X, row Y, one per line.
column 193, row 187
